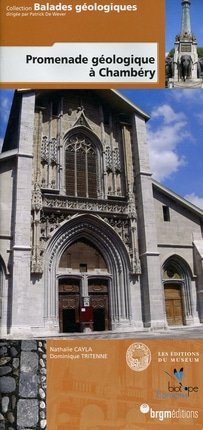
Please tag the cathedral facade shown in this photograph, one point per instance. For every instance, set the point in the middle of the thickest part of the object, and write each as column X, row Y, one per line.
column 89, row 242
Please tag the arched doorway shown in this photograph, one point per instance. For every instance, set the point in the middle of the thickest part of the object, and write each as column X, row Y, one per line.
column 110, row 271
column 177, row 291
column 84, row 292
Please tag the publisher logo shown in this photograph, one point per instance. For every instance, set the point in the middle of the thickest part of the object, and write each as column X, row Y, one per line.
column 138, row 356
column 176, row 387
column 169, row 414
column 144, row 408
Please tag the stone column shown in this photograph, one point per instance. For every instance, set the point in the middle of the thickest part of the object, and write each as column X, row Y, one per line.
column 186, row 26
column 22, row 305
column 151, row 284
column 137, row 322
column 198, row 268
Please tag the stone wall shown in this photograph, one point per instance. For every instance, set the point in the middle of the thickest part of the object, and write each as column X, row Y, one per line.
column 22, row 385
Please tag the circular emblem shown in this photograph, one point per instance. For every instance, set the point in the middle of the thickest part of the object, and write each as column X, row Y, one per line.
column 144, row 408
column 138, row 356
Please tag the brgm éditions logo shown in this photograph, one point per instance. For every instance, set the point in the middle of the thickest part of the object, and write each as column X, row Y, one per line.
column 169, row 414
column 176, row 386
column 138, row 356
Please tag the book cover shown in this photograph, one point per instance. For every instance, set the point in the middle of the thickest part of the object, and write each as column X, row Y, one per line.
column 101, row 218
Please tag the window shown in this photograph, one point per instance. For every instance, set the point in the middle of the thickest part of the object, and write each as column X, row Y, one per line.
column 83, row 268
column 106, row 118
column 81, row 167
column 166, row 213
column 55, row 108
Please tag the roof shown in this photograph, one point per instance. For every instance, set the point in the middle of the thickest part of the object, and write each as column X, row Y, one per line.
column 199, row 247
column 175, row 197
column 110, row 95
column 121, row 101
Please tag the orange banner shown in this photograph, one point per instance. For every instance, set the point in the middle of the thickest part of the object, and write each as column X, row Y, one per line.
column 43, row 24
column 45, row 27
column 124, row 384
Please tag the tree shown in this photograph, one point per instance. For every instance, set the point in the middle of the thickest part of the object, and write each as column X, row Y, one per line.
column 200, row 52
column 171, row 53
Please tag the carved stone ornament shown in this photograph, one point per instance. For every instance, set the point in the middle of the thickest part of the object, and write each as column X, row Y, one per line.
column 37, row 198
column 37, row 260
column 36, row 266
column 116, row 160
column 85, row 205
column 121, row 227
column 49, row 150
column 80, row 143
column 112, row 160
column 45, row 149
column 50, row 222
column 82, row 120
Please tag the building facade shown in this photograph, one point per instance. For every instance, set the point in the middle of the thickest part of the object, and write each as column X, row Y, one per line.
column 89, row 242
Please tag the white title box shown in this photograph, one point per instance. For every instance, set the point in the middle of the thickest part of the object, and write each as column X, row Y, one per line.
column 80, row 62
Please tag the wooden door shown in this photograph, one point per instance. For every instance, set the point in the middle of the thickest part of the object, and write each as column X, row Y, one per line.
column 100, row 312
column 174, row 304
column 69, row 305
column 98, row 291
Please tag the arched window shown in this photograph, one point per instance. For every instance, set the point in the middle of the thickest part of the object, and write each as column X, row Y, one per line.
column 81, row 166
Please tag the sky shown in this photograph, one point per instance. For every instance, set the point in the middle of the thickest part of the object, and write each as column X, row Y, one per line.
column 175, row 138
column 175, row 130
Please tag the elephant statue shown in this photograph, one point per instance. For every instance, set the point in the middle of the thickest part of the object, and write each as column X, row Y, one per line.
column 200, row 68
column 185, row 67
column 169, row 67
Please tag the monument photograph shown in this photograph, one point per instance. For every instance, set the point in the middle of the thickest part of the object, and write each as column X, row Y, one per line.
column 184, row 61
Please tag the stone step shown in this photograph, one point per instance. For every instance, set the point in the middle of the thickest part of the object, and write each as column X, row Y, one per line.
column 188, row 84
